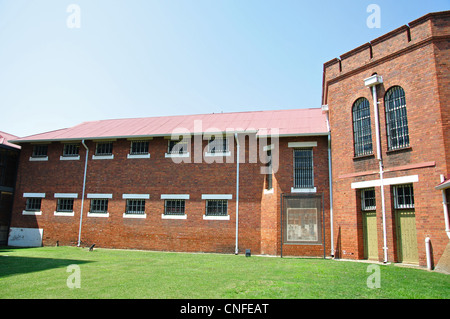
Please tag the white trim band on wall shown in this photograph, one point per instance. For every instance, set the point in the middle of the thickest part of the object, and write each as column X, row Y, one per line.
column 99, row 196
column 135, row 196
column 66, row 195
column 387, row 181
column 217, row 196
column 302, row 144
column 174, row 196
column 35, row 195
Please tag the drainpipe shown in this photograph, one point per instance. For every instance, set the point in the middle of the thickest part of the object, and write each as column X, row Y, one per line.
column 236, row 250
column 444, row 205
column 372, row 82
column 428, row 252
column 84, row 188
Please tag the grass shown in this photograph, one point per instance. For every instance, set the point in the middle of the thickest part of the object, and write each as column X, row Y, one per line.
column 42, row 273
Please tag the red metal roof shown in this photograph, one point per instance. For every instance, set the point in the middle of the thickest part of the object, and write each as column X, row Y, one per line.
column 286, row 122
column 445, row 184
column 6, row 137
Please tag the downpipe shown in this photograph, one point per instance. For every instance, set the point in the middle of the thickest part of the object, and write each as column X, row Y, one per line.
column 236, row 250
column 84, row 189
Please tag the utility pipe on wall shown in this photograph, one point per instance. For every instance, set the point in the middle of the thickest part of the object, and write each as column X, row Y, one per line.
column 236, row 250
column 82, row 195
column 444, row 205
column 372, row 82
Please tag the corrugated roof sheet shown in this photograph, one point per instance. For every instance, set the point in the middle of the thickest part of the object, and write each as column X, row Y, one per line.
column 6, row 137
column 286, row 122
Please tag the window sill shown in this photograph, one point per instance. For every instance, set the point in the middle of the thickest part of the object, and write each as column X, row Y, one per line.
column 39, row 159
column 31, row 213
column 138, row 155
column 98, row 214
column 362, row 157
column 102, row 157
column 139, row 216
column 303, row 190
column 208, row 154
column 64, row 213
column 169, row 155
column 403, row 149
column 212, row 217
column 69, row 158
column 164, row 216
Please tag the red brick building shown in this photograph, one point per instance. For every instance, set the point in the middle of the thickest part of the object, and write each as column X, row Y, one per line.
column 137, row 183
column 388, row 104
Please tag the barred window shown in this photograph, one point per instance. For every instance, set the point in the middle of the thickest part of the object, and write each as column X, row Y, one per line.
column 65, row 205
column 216, row 207
column 303, row 168
column 104, row 148
column 403, row 196
column 396, row 118
column 362, row 132
column 99, row 206
column 135, row 206
column 178, row 146
column 33, row 204
column 174, row 207
column 40, row 151
column 139, row 147
column 218, row 145
column 368, row 199
column 269, row 175
column 71, row 150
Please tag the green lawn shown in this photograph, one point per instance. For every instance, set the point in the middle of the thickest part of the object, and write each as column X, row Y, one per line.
column 42, row 273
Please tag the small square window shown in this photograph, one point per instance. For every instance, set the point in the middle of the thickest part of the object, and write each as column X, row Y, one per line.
column 71, row 150
column 139, row 148
column 218, row 145
column 403, row 196
column 135, row 206
column 104, row 148
column 40, row 151
column 65, row 205
column 216, row 207
column 178, row 146
column 368, row 199
column 99, row 206
column 33, row 204
column 174, row 207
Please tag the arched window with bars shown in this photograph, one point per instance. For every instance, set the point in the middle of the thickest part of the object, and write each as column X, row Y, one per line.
column 362, row 131
column 396, row 118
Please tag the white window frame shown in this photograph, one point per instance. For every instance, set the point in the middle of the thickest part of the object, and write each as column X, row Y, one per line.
column 59, row 196
column 140, row 155
column 33, row 212
column 395, row 189
column 98, row 197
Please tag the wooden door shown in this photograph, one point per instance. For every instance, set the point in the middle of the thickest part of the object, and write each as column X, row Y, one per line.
column 370, row 235
column 406, row 237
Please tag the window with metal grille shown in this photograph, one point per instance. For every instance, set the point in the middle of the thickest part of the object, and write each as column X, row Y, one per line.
column 174, row 207
column 216, row 207
column 104, row 148
column 362, row 132
column 303, row 168
column 40, row 151
column 139, row 147
column 65, row 205
column 99, row 206
column 368, row 199
column 33, row 204
column 71, row 150
column 218, row 145
column 178, row 146
column 269, row 175
column 403, row 196
column 396, row 118
column 135, row 206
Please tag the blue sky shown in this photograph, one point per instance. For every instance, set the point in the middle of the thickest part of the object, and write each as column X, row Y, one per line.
column 140, row 58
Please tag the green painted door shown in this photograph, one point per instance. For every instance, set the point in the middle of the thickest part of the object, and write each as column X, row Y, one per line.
column 370, row 235
column 406, row 237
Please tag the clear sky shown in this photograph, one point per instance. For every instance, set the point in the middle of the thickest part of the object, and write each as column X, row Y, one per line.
column 139, row 58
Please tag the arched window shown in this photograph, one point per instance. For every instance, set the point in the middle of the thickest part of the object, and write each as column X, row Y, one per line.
column 362, row 132
column 396, row 119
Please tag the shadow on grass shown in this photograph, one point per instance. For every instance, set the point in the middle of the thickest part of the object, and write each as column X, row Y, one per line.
column 14, row 265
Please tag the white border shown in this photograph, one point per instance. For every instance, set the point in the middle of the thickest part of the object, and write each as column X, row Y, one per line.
column 303, row 190
column 217, row 196
column 210, row 217
column 89, row 214
column 135, row 196
column 34, row 195
column 31, row 213
column 56, row 213
column 99, row 196
column 38, row 159
column 69, row 158
column 163, row 216
column 386, row 181
column 174, row 196
column 138, row 156
column 142, row 216
column 170, row 155
column 102, row 157
column 66, row 195
column 302, row 144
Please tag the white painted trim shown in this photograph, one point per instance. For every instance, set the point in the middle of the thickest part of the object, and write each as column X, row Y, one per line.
column 99, row 196
column 129, row 156
column 163, row 216
column 175, row 196
column 170, row 155
column 38, row 159
column 303, row 190
column 386, row 181
column 89, row 214
column 208, row 154
column 227, row 217
column 102, row 157
column 34, row 195
column 69, row 158
column 31, row 213
column 64, row 213
column 66, row 195
column 141, row 216
column 269, row 191
column 217, row 196
column 135, row 196
column 302, row 144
